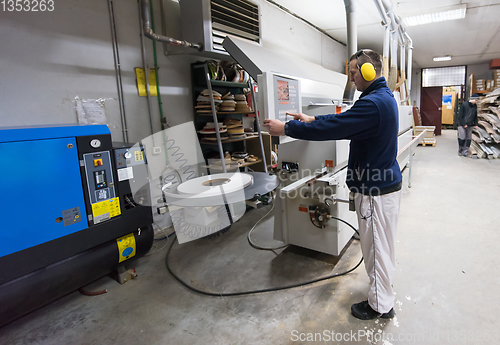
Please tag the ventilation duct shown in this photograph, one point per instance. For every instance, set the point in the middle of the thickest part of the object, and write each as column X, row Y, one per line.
column 352, row 46
column 209, row 21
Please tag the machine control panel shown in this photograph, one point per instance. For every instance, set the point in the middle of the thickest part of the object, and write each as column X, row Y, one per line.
column 102, row 194
column 99, row 176
column 128, row 157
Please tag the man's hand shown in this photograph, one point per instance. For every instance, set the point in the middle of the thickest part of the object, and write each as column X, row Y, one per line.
column 276, row 127
column 302, row 117
column 465, row 126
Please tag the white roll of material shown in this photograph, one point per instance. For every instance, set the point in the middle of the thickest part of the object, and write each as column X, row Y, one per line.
column 214, row 185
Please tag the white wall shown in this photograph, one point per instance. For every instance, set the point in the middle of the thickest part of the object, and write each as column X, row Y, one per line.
column 49, row 58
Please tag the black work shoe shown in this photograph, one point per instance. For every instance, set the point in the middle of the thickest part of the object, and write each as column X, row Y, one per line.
column 363, row 311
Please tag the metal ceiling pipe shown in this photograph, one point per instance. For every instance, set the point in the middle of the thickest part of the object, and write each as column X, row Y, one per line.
column 400, row 29
column 118, row 71
column 402, row 54
column 146, row 74
column 406, row 43
column 352, row 45
column 148, row 32
column 395, row 36
column 387, row 38
column 381, row 11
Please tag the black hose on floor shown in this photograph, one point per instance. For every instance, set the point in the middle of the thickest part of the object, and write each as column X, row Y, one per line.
column 227, row 294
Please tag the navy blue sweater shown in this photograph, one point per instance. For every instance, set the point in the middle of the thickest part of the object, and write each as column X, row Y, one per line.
column 372, row 126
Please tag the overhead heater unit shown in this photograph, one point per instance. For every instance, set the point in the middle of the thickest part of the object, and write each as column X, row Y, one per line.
column 209, row 21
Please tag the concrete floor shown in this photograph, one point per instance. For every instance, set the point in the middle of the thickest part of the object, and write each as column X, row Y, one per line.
column 446, row 285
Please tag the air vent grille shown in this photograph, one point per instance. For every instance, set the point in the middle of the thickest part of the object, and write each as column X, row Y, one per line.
column 235, row 17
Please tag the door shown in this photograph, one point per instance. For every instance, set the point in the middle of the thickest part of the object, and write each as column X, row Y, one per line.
column 431, row 101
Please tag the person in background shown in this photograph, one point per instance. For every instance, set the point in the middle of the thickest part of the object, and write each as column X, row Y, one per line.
column 373, row 173
column 467, row 120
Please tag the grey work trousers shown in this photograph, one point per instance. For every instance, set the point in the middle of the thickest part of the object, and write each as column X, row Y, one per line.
column 465, row 133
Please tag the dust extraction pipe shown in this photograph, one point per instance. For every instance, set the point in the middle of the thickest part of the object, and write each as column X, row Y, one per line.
column 402, row 52
column 385, row 53
column 387, row 39
column 395, row 33
column 148, row 32
column 393, row 69
column 352, row 45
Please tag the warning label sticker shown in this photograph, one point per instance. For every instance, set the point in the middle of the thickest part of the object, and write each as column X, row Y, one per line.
column 105, row 210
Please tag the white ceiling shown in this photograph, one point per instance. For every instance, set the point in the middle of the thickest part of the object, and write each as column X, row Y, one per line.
column 472, row 40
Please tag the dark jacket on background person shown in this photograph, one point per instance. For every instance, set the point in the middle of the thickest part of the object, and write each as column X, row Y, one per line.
column 372, row 125
column 467, row 115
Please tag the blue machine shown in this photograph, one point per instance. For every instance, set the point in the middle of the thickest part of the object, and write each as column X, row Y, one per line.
column 63, row 209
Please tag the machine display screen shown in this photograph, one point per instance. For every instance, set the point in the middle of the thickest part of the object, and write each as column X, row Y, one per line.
column 286, row 96
column 100, row 179
column 283, row 91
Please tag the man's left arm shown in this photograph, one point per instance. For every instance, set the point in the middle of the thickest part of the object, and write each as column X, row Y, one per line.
column 276, row 127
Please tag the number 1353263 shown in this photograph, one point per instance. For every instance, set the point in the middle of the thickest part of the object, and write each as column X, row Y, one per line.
column 27, row 5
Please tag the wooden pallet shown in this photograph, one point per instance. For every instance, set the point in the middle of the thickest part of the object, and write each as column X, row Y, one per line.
column 429, row 143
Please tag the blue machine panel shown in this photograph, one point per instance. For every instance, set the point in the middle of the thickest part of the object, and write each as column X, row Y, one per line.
column 41, row 193
column 50, row 132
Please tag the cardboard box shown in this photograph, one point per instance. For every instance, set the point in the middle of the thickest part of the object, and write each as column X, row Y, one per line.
column 496, row 77
column 480, row 85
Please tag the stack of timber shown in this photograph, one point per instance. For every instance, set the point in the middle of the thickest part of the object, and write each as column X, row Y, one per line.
column 486, row 138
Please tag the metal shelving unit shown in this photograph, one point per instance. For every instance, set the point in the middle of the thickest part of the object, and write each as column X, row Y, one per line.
column 218, row 83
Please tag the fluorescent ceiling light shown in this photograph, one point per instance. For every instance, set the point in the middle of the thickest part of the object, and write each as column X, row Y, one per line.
column 440, row 15
column 442, row 58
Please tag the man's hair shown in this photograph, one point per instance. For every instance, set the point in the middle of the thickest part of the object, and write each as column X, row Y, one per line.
column 368, row 55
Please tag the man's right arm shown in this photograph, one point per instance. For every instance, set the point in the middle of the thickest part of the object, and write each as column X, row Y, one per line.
column 359, row 122
column 302, row 117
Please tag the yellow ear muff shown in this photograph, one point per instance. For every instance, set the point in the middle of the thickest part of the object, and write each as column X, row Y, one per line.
column 368, row 71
